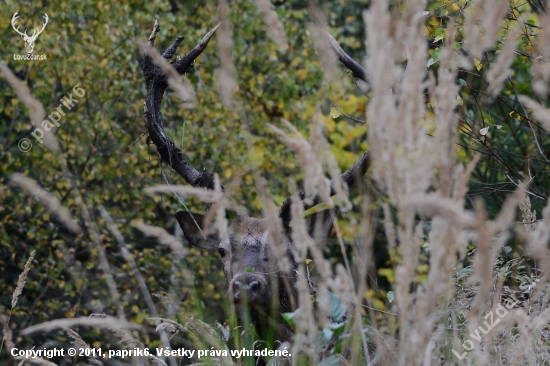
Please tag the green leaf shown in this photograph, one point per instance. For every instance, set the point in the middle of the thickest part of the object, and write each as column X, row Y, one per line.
column 465, row 272
column 289, row 317
column 337, row 311
column 327, row 333
column 366, row 322
column 324, row 338
column 436, row 54
column 390, row 296
column 329, row 361
column 340, row 343
column 439, row 34
column 338, row 328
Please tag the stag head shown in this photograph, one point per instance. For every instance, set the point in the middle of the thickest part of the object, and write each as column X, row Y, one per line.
column 257, row 285
column 255, row 276
column 29, row 40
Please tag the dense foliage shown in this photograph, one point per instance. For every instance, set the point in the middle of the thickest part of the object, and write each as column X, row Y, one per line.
column 107, row 158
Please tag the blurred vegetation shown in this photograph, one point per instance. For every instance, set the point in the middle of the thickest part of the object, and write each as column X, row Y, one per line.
column 94, row 43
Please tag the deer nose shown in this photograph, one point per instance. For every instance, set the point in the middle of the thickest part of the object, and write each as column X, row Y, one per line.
column 236, row 290
column 252, row 288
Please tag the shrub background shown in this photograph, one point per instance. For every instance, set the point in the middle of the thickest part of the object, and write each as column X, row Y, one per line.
column 93, row 43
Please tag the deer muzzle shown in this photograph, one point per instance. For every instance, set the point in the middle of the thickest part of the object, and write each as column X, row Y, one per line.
column 248, row 287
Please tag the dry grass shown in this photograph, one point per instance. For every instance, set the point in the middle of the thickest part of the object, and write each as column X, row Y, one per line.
column 275, row 28
column 36, row 109
column 415, row 164
column 21, row 281
column 79, row 343
column 101, row 323
column 183, row 91
column 51, row 202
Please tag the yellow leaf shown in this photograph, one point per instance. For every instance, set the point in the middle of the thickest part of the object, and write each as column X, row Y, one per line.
column 308, row 261
column 335, row 113
column 459, row 100
column 386, row 272
column 477, row 64
column 331, row 125
column 515, row 115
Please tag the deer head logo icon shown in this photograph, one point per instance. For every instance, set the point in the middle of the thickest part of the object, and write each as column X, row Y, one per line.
column 29, row 40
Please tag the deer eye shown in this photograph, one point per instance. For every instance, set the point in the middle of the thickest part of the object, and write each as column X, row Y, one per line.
column 222, row 252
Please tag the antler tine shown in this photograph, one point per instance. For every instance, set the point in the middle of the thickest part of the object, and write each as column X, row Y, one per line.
column 35, row 32
column 185, row 62
column 350, row 176
column 360, row 167
column 44, row 24
column 156, row 82
column 13, row 22
column 355, row 67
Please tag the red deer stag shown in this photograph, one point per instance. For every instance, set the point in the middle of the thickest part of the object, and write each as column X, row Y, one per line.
column 250, row 269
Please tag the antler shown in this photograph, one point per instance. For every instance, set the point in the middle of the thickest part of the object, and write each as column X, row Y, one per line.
column 156, row 81
column 35, row 34
column 355, row 67
column 24, row 34
column 350, row 176
column 14, row 20
column 360, row 167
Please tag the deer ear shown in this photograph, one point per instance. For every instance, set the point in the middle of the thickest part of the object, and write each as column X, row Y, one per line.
column 320, row 224
column 192, row 225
